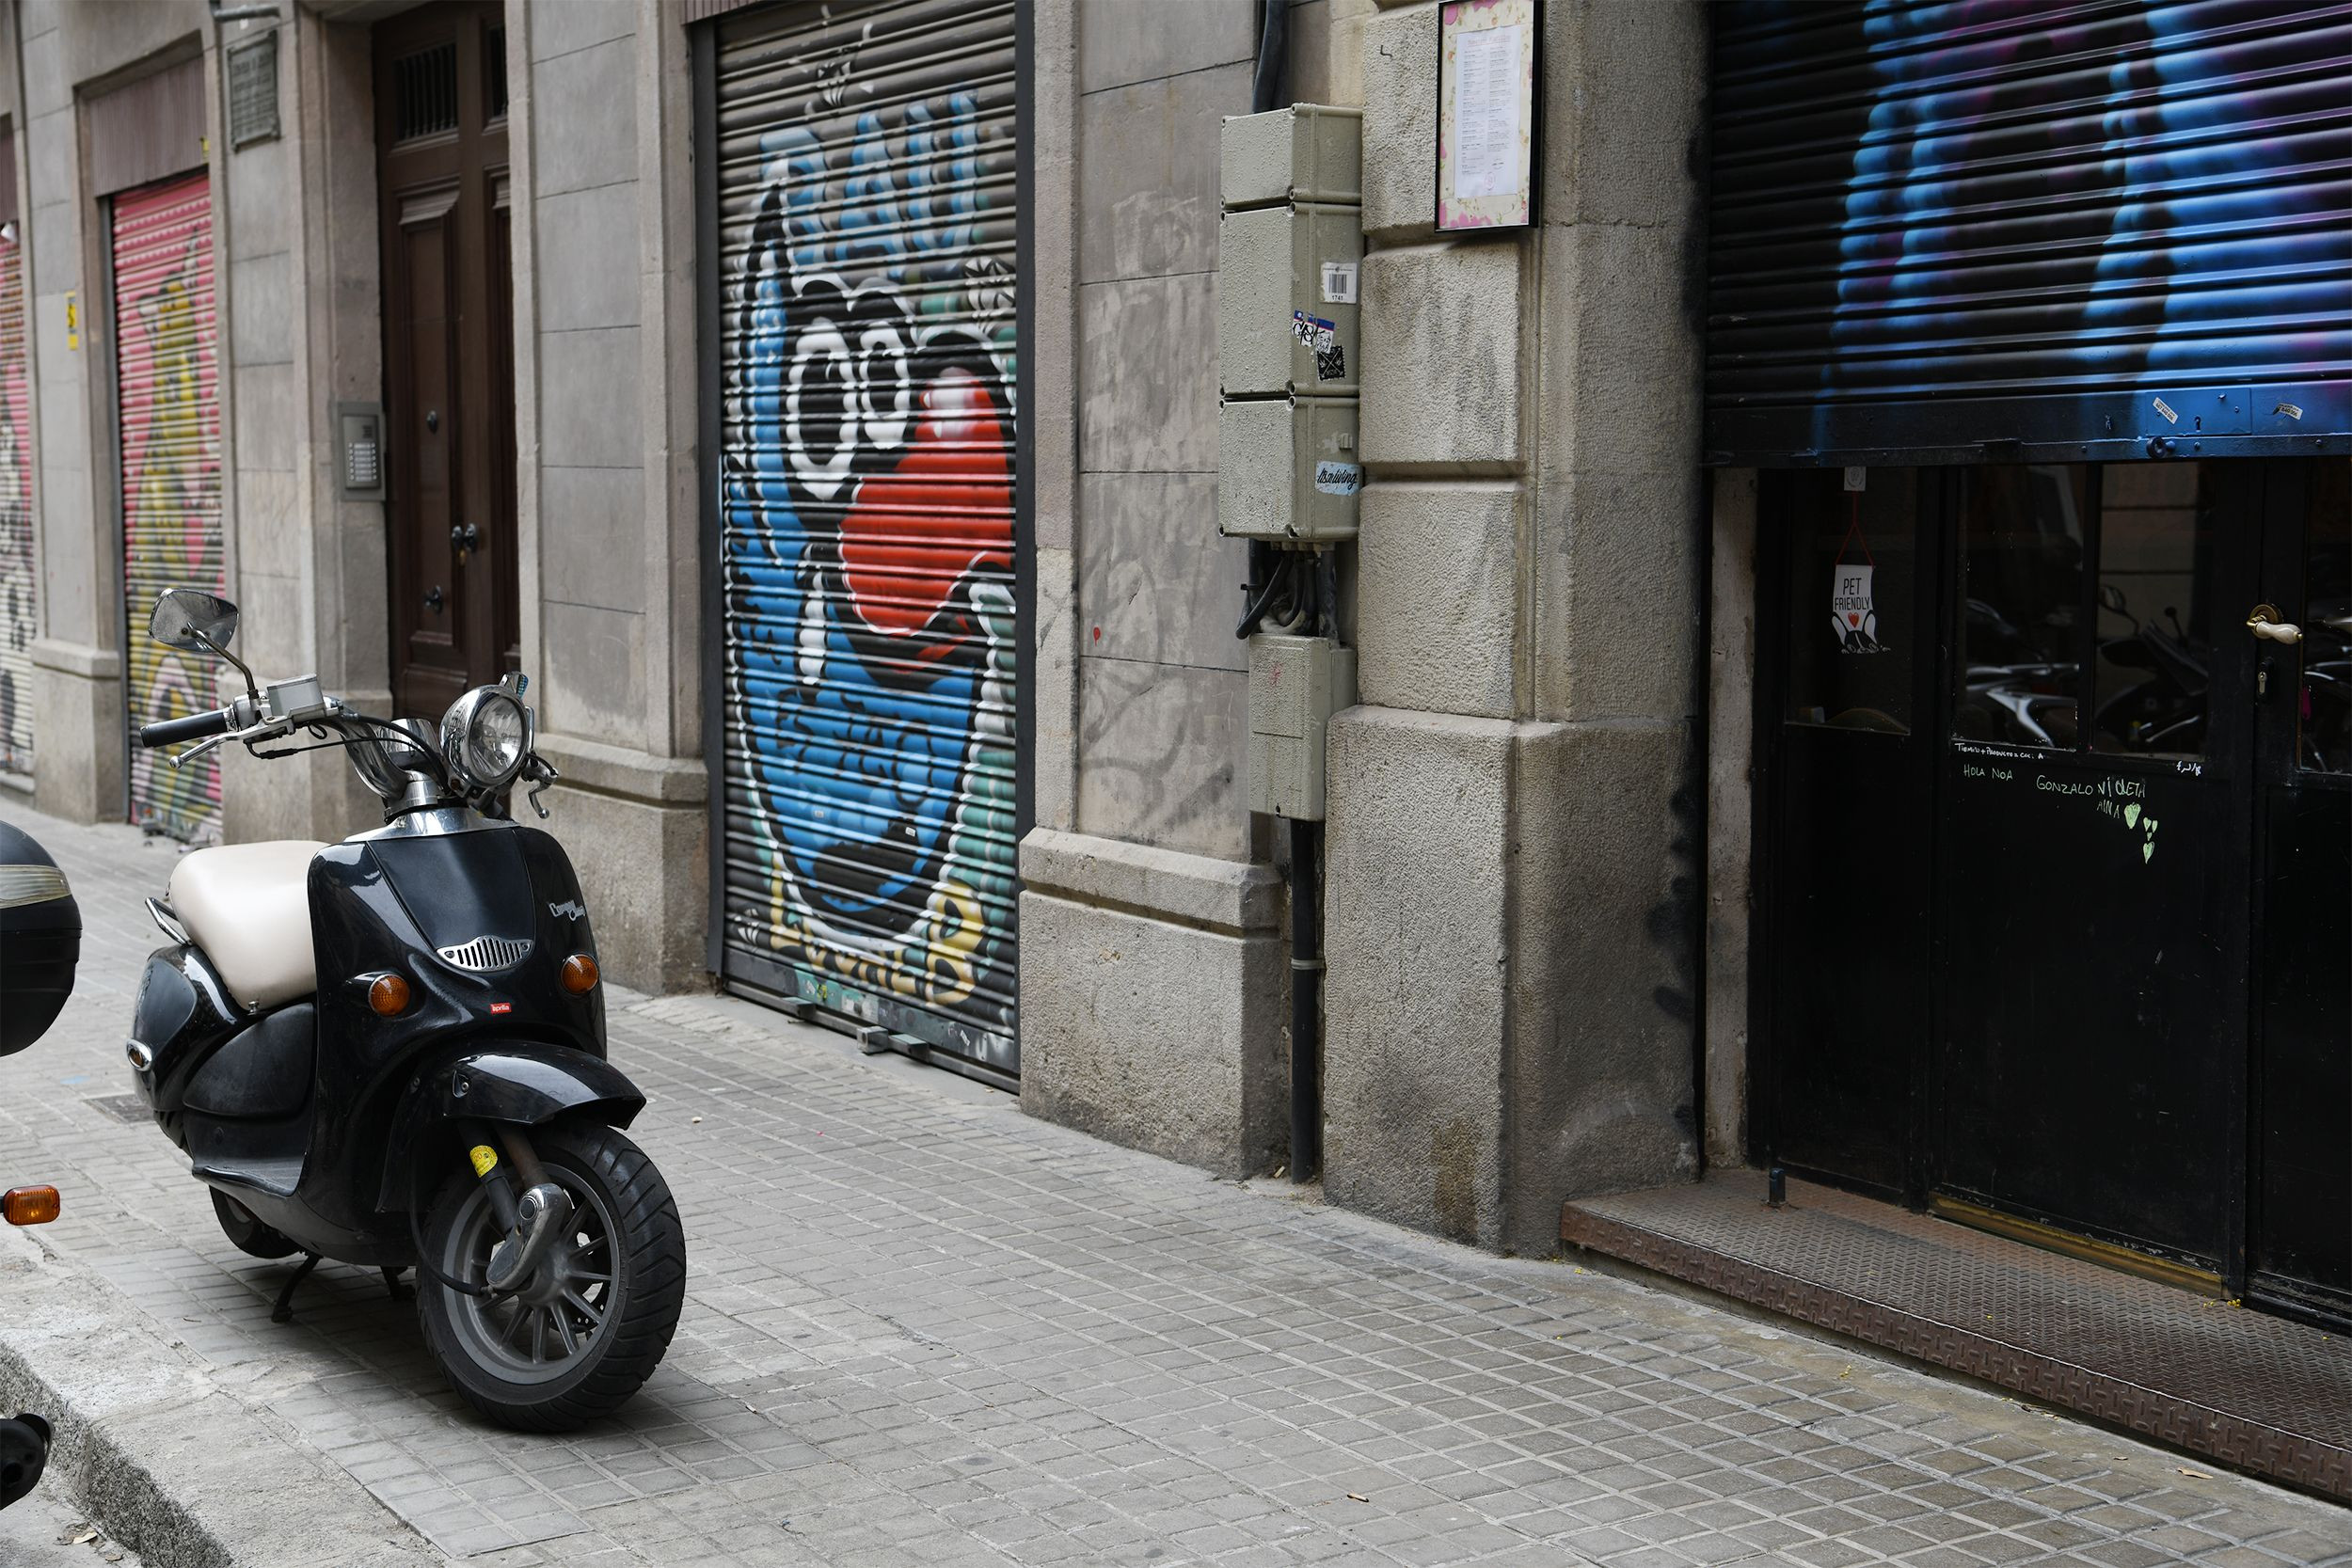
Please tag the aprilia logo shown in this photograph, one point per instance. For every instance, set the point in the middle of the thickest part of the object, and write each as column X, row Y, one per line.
column 570, row 907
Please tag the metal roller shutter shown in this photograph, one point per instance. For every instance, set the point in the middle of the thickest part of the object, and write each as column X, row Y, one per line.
column 2076, row 228
column 168, row 411
column 867, row 266
column 17, row 572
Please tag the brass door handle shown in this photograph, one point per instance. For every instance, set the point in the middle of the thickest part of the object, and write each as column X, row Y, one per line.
column 2264, row 622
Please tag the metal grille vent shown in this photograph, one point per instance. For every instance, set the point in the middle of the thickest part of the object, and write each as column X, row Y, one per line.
column 484, row 954
column 426, row 91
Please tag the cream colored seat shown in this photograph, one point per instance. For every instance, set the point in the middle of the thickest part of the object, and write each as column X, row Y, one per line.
column 248, row 907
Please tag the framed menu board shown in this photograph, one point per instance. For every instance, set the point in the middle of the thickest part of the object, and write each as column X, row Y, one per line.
column 1487, row 113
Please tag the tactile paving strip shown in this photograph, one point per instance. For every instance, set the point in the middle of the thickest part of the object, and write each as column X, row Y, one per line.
column 2253, row 1391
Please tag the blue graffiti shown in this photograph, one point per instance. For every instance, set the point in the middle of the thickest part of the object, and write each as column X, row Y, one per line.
column 868, row 471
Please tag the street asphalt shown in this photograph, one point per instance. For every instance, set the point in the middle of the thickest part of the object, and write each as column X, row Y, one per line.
column 926, row 1331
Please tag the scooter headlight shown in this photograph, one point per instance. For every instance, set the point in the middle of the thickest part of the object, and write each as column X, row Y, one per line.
column 483, row 739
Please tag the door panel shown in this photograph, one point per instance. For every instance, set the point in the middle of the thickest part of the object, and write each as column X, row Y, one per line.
column 2301, row 1230
column 2092, row 877
column 448, row 289
column 1850, row 917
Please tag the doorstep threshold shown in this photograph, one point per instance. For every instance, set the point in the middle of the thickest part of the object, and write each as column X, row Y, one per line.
column 2258, row 1393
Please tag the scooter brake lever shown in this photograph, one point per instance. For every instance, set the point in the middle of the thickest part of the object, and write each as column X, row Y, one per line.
column 544, row 771
column 180, row 759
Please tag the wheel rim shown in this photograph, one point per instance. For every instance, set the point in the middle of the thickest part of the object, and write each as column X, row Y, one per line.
column 548, row 1329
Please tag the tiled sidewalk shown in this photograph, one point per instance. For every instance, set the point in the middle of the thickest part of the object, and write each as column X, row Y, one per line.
column 923, row 1329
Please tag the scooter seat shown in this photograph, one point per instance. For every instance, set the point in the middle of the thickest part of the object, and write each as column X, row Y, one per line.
column 248, row 907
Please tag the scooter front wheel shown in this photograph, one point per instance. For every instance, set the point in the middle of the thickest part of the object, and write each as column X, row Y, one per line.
column 595, row 1320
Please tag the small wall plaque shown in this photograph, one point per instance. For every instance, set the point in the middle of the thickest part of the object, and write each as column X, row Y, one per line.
column 1487, row 113
column 252, row 67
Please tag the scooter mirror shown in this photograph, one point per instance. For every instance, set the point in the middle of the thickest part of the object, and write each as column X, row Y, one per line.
column 192, row 621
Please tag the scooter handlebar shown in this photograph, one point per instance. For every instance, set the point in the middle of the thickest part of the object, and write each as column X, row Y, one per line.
column 196, row 726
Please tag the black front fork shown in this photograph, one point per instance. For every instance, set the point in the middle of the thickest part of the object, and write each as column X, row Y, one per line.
column 531, row 1219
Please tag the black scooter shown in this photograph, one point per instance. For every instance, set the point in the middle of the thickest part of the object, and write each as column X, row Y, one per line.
column 390, row 1051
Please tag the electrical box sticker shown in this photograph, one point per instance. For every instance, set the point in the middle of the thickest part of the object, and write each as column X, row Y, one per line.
column 1339, row 479
column 1339, row 282
column 1323, row 337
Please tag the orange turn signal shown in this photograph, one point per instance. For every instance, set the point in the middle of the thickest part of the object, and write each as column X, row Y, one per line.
column 30, row 1205
column 580, row 975
column 389, row 996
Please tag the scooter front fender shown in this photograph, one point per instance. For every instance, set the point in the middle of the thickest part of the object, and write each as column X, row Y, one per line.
column 520, row 1084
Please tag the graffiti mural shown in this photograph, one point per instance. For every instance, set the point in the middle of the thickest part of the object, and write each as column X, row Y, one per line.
column 2061, row 204
column 17, row 572
column 867, row 499
column 168, row 405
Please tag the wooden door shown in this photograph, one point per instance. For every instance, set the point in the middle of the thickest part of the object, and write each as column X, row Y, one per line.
column 440, row 95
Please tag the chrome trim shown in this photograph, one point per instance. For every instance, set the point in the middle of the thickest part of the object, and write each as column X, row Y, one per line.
column 484, row 955
column 429, row 823
column 167, row 920
column 31, row 884
column 141, row 1057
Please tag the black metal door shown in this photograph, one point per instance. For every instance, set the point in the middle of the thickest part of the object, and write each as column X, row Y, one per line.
column 2300, row 1226
column 2092, row 882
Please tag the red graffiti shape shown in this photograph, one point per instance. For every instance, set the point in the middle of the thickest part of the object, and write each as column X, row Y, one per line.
column 913, row 532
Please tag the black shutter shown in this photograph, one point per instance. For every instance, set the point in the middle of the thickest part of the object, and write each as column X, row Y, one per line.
column 2058, row 231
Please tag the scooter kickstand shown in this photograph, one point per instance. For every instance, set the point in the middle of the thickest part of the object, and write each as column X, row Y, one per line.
column 393, row 1283
column 284, row 1311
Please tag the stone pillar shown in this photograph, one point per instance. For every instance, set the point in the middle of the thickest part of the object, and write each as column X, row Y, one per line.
column 1512, row 980
column 606, row 393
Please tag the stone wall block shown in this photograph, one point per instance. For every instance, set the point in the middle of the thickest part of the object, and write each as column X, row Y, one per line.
column 1148, row 182
column 1731, row 793
column 1120, row 41
column 1620, row 372
column 566, row 27
column 644, row 872
column 1154, row 1035
column 590, row 407
column 1442, row 364
column 1146, row 373
column 1617, row 594
column 593, row 684
column 588, row 279
column 1399, row 56
column 1156, row 581
column 1416, row 996
column 1053, row 740
column 1604, row 974
column 1437, row 597
column 591, row 524
column 1625, row 83
column 77, row 725
column 1160, row 751
column 590, row 93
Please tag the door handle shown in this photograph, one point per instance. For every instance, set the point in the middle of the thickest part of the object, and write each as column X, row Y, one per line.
column 2264, row 622
column 463, row 537
column 432, row 599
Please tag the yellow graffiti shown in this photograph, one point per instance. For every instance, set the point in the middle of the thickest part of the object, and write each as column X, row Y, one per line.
column 937, row 966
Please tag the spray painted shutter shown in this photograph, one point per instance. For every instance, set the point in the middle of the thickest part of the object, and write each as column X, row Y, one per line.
column 866, row 201
column 167, row 414
column 2075, row 228
column 19, row 574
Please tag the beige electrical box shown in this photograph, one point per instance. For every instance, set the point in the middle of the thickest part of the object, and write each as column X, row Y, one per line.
column 1286, row 299
column 1287, row 470
column 1296, row 685
column 1307, row 153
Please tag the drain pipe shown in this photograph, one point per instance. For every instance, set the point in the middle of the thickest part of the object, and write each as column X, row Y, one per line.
column 1306, row 1001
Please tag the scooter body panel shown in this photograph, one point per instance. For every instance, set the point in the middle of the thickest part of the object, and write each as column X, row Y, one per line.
column 479, row 922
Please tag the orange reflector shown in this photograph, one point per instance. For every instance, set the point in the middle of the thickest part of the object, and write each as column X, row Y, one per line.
column 30, row 1205
column 389, row 995
column 579, row 973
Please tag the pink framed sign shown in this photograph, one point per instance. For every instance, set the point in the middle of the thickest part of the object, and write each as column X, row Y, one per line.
column 1486, row 117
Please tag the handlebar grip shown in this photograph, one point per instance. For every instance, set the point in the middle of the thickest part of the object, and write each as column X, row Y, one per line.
column 196, row 726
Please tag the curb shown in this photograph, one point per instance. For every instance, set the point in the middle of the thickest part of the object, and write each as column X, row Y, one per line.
column 162, row 1461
